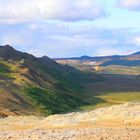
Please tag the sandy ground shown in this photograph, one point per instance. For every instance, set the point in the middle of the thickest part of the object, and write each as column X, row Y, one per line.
column 119, row 122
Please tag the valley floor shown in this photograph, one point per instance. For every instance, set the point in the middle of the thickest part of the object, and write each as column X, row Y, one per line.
column 115, row 89
column 118, row 122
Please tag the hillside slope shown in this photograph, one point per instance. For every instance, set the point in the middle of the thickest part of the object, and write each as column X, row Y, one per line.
column 30, row 85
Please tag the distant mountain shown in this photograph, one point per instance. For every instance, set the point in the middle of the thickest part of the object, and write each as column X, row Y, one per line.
column 134, row 56
column 122, row 63
column 84, row 57
column 30, row 85
column 127, row 60
column 137, row 53
column 124, row 60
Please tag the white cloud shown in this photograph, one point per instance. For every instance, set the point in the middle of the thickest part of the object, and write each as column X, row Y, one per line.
column 14, row 40
column 65, row 40
column 130, row 4
column 66, row 10
column 110, row 51
column 136, row 41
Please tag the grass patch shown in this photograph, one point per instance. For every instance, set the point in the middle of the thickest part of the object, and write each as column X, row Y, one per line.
column 4, row 68
column 111, row 99
column 95, row 102
column 96, row 106
column 121, row 97
column 125, row 70
column 49, row 102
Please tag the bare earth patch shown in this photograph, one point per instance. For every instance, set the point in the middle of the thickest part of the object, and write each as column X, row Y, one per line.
column 118, row 122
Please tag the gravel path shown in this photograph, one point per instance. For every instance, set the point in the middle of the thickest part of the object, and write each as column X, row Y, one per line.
column 73, row 134
column 120, row 122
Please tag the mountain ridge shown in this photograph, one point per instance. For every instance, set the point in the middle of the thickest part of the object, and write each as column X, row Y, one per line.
column 97, row 57
column 125, row 60
column 31, row 85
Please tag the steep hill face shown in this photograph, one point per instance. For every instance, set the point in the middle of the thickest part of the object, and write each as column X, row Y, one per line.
column 30, row 85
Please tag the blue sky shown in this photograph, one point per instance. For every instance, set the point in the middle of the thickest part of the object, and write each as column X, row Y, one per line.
column 66, row 28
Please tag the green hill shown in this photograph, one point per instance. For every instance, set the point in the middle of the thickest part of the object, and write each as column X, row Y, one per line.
column 40, row 86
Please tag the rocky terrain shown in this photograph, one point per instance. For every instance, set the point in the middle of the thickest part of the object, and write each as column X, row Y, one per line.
column 118, row 122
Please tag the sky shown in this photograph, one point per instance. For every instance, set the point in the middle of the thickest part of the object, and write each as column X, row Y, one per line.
column 68, row 28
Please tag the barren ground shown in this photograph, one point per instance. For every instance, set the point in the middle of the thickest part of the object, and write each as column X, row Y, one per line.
column 118, row 122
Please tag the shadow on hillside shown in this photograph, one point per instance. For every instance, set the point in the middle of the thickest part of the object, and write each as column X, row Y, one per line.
column 114, row 83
